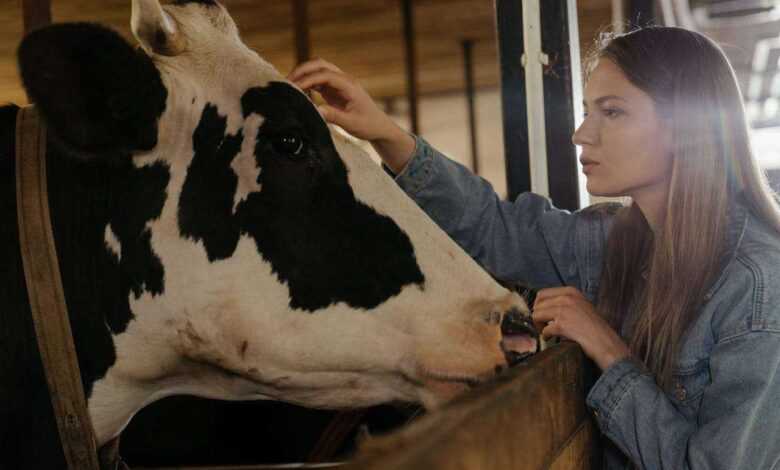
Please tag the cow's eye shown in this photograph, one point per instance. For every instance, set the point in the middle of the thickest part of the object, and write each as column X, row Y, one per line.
column 289, row 144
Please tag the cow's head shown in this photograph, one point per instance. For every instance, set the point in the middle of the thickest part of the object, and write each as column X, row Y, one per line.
column 265, row 255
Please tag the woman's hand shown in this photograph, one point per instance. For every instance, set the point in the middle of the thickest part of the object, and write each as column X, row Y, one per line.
column 565, row 312
column 349, row 106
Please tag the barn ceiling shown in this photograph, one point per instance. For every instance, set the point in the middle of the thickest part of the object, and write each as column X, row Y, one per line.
column 364, row 37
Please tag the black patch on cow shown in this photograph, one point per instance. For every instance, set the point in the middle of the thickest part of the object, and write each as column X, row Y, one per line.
column 101, row 96
column 325, row 244
column 102, row 100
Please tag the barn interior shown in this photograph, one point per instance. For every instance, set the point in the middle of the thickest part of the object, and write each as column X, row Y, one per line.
column 436, row 67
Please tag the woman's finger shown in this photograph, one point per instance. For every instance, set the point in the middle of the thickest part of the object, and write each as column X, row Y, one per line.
column 334, row 115
column 327, row 78
column 312, row 66
column 552, row 329
column 546, row 314
column 552, row 292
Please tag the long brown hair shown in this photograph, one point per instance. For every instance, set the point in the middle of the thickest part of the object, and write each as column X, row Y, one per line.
column 663, row 277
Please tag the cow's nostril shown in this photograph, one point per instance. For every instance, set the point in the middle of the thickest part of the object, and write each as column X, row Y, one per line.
column 520, row 339
column 514, row 322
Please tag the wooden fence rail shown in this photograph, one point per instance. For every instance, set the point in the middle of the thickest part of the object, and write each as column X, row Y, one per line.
column 533, row 418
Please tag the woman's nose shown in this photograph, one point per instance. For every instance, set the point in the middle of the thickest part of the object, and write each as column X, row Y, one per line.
column 584, row 135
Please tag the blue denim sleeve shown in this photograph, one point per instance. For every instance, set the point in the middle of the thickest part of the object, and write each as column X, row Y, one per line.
column 527, row 241
column 737, row 423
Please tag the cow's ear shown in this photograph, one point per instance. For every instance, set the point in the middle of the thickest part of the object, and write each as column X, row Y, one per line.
column 100, row 96
column 155, row 29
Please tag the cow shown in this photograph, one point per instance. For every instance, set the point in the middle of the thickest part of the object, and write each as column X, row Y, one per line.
column 217, row 238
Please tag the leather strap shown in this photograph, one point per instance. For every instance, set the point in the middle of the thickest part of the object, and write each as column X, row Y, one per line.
column 47, row 300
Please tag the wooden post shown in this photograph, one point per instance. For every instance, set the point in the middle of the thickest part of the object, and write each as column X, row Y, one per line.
column 468, row 76
column 411, row 64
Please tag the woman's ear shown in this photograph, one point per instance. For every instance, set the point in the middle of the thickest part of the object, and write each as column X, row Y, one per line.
column 99, row 95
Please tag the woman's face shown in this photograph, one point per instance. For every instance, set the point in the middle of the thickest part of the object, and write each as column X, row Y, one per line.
column 626, row 147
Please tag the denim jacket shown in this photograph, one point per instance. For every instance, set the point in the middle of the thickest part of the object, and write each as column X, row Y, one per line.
column 724, row 409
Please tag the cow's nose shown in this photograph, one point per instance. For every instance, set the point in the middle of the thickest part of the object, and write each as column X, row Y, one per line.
column 519, row 337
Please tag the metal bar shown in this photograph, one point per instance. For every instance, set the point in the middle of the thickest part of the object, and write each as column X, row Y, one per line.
column 562, row 91
column 618, row 15
column 509, row 20
column 407, row 13
column 468, row 75
column 36, row 13
column 301, row 20
column 534, row 59
column 641, row 13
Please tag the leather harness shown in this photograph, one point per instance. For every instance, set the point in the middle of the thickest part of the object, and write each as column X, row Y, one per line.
column 46, row 296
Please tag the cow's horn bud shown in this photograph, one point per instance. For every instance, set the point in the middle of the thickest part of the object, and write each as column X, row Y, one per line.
column 155, row 29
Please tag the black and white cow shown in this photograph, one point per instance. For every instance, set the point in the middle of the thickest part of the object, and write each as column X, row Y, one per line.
column 217, row 238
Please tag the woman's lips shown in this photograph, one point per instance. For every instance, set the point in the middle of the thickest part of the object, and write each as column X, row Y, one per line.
column 587, row 166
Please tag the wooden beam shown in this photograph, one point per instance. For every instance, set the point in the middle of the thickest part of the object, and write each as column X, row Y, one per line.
column 531, row 418
column 36, row 13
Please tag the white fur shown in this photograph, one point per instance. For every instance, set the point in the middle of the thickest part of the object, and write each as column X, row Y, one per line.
column 112, row 242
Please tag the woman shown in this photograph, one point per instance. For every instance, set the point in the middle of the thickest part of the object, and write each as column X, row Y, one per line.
column 676, row 297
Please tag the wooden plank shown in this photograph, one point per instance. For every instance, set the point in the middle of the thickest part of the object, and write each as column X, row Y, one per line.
column 363, row 38
column 579, row 453
column 533, row 418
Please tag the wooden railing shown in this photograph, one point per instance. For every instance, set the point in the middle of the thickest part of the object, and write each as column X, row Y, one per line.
column 532, row 418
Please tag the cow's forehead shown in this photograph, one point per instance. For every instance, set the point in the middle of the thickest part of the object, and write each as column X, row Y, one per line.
column 214, row 56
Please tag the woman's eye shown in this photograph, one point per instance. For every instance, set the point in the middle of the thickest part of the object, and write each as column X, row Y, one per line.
column 612, row 112
column 288, row 144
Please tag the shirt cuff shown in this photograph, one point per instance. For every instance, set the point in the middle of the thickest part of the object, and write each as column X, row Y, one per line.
column 613, row 385
column 418, row 170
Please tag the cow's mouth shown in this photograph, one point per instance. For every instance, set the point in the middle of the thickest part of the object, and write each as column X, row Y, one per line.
column 520, row 340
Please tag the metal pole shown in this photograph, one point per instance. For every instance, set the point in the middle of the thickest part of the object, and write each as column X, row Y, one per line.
column 468, row 74
column 36, row 13
column 411, row 64
column 641, row 13
column 540, row 96
column 302, row 42
column 562, row 89
column 509, row 21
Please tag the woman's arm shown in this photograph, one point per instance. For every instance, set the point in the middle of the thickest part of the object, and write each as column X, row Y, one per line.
column 738, row 421
column 527, row 241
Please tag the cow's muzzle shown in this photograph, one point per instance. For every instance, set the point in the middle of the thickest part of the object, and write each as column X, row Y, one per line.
column 520, row 340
